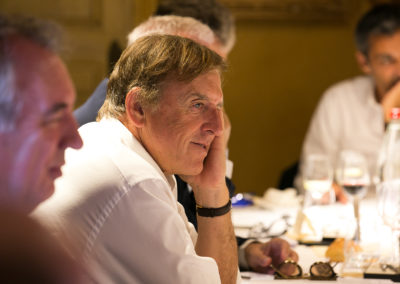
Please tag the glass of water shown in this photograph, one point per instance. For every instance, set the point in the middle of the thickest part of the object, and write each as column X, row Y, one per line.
column 317, row 179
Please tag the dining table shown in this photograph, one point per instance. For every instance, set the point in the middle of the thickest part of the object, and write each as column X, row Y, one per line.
column 310, row 230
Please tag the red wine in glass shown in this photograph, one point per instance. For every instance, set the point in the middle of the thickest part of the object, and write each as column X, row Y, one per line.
column 354, row 189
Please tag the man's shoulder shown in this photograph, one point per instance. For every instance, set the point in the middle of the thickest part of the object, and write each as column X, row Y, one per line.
column 355, row 88
column 109, row 153
column 98, row 180
column 351, row 85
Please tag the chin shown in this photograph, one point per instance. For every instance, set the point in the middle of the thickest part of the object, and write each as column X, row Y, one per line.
column 192, row 170
column 47, row 191
column 198, row 168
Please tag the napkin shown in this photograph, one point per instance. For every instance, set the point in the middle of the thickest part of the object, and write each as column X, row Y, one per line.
column 277, row 199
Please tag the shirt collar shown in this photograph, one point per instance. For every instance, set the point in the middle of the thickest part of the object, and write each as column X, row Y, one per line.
column 129, row 140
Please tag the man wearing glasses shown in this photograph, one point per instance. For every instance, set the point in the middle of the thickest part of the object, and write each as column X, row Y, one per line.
column 352, row 114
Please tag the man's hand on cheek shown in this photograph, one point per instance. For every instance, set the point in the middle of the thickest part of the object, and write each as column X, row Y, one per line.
column 213, row 173
column 209, row 184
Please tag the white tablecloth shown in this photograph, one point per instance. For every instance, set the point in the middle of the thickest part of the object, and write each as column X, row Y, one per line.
column 375, row 237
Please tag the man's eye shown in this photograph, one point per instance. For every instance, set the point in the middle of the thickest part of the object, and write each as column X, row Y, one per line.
column 49, row 121
column 387, row 60
column 198, row 105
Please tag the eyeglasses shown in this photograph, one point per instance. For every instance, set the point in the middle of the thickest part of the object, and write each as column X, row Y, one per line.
column 290, row 269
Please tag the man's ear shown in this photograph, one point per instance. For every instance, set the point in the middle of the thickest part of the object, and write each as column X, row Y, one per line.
column 363, row 62
column 134, row 110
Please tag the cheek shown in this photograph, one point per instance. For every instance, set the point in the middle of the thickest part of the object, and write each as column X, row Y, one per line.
column 385, row 74
column 37, row 150
column 382, row 78
column 29, row 166
column 185, row 133
column 169, row 128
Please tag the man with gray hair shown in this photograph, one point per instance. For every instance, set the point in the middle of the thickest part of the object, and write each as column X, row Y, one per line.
column 36, row 126
column 36, row 121
column 116, row 202
column 253, row 255
column 209, row 12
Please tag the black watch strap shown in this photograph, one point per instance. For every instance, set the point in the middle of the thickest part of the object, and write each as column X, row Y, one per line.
column 213, row 212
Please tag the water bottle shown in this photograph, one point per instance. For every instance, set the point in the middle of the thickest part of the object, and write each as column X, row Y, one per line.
column 388, row 180
column 388, row 167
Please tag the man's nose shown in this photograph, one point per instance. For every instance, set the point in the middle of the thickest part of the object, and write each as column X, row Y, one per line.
column 71, row 137
column 214, row 122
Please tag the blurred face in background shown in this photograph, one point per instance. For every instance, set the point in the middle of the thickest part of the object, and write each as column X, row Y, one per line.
column 33, row 152
column 382, row 62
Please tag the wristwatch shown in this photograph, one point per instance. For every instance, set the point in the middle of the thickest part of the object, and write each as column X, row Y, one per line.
column 213, row 212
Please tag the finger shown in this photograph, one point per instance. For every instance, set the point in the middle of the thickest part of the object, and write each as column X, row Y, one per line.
column 280, row 249
column 261, row 259
column 262, row 265
column 293, row 255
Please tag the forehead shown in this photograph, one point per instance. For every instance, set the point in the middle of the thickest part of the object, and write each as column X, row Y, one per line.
column 40, row 76
column 385, row 43
column 207, row 85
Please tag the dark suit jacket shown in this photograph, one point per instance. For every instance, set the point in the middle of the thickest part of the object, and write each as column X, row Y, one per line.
column 88, row 111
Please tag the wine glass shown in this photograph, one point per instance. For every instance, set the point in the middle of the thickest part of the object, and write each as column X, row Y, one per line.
column 352, row 174
column 317, row 178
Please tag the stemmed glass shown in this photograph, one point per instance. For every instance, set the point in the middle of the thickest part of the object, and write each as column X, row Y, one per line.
column 317, row 178
column 352, row 174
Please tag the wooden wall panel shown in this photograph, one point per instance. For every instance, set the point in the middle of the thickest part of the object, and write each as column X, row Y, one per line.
column 90, row 26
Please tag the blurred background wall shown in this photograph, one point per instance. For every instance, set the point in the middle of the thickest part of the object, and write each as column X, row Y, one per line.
column 287, row 53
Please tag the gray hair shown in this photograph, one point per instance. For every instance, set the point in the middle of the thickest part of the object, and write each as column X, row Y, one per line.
column 173, row 25
column 44, row 33
column 210, row 12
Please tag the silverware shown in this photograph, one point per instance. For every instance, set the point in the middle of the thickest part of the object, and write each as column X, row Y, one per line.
column 261, row 231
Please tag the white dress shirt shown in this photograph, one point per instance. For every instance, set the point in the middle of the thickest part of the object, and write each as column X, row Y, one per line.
column 117, row 212
column 347, row 118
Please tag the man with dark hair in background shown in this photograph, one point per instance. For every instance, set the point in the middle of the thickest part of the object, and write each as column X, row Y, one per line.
column 352, row 114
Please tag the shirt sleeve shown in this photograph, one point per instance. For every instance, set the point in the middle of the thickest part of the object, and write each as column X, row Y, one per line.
column 241, row 253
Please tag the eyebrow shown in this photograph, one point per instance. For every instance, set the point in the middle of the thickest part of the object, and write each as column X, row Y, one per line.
column 55, row 109
column 202, row 97
column 384, row 55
